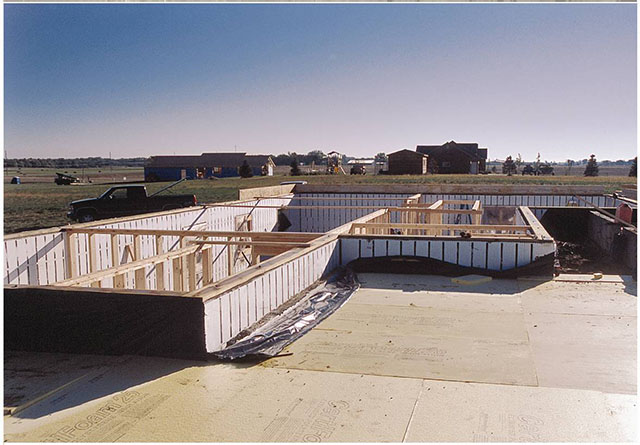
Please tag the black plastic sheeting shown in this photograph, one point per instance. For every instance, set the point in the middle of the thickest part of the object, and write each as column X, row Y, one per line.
column 276, row 334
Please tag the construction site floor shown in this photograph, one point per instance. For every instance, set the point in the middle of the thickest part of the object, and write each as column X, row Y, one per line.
column 408, row 358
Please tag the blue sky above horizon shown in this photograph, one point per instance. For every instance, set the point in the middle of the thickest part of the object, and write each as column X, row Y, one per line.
column 138, row 80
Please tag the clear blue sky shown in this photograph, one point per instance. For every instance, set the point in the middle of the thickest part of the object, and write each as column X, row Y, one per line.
column 138, row 80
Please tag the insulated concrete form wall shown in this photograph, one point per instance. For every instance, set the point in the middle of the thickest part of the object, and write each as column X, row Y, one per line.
column 490, row 255
column 229, row 313
column 324, row 219
column 605, row 232
column 537, row 200
column 39, row 258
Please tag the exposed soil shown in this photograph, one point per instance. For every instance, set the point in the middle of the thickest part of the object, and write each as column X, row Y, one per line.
column 585, row 258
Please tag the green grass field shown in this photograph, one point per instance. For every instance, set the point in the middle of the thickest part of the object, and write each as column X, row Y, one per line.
column 40, row 203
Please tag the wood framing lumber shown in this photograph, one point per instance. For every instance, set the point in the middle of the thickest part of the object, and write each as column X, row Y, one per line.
column 538, row 230
column 266, row 236
column 343, row 198
column 124, row 268
column 159, row 266
column 470, row 227
column 251, row 243
column 70, row 249
column 476, row 237
column 216, row 289
column 265, row 192
column 356, row 207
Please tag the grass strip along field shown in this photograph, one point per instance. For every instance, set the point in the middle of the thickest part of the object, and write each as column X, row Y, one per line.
column 37, row 205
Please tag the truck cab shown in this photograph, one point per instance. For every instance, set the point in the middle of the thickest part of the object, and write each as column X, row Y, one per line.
column 125, row 200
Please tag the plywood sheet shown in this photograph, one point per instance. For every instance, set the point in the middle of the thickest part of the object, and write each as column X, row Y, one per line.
column 435, row 283
column 451, row 358
column 438, row 292
column 228, row 403
column 581, row 298
column 458, row 412
column 428, row 322
column 31, row 375
column 584, row 351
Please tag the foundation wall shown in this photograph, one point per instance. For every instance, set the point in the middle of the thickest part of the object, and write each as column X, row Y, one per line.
column 325, row 219
column 490, row 255
column 94, row 321
column 604, row 232
column 39, row 258
column 229, row 313
column 322, row 220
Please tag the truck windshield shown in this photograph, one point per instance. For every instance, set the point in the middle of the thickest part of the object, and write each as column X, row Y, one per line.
column 105, row 194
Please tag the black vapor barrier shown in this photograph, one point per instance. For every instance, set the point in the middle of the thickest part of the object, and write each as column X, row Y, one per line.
column 272, row 337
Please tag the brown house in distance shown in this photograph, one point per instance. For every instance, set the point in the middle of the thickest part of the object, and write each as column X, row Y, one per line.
column 454, row 157
column 407, row 162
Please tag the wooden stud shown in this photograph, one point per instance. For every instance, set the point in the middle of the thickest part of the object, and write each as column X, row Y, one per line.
column 137, row 255
column 207, row 266
column 70, row 252
column 229, row 258
column 92, row 257
column 140, row 278
column 159, row 266
column 177, row 274
column 127, row 267
column 191, row 271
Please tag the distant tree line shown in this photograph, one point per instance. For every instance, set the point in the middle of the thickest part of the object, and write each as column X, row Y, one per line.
column 510, row 166
column 73, row 163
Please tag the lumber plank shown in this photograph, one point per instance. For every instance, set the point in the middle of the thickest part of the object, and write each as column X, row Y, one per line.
column 536, row 227
column 284, row 236
column 217, row 289
column 470, row 227
column 250, row 243
column 127, row 267
column 70, row 249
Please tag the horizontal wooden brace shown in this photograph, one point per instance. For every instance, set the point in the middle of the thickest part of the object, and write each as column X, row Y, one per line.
column 284, row 236
column 252, row 243
column 124, row 268
column 488, row 237
column 356, row 207
column 469, row 227
column 212, row 291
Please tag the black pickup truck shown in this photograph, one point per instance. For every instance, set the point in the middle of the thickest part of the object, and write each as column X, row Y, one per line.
column 124, row 201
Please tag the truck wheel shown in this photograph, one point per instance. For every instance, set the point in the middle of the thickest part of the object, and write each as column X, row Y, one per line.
column 86, row 217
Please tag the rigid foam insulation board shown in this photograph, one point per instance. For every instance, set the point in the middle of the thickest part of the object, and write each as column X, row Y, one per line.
column 29, row 376
column 438, row 292
column 471, row 279
column 584, row 351
column 162, row 400
column 459, row 412
column 440, row 300
column 404, row 339
column 428, row 322
column 408, row 355
column 434, row 283
column 224, row 402
column 581, row 298
column 583, row 335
